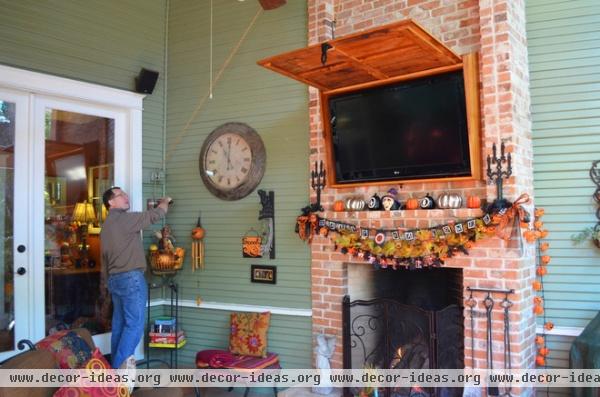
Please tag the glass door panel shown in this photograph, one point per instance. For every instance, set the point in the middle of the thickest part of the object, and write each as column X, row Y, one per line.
column 79, row 158
column 14, row 264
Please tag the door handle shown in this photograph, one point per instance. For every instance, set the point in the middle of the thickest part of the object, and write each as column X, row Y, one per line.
column 21, row 248
column 21, row 271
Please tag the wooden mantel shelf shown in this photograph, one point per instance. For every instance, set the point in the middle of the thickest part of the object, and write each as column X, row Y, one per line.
column 383, row 54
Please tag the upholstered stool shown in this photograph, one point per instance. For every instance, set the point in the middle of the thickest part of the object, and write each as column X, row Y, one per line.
column 214, row 358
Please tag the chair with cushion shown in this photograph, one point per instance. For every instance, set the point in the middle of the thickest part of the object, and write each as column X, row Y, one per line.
column 247, row 347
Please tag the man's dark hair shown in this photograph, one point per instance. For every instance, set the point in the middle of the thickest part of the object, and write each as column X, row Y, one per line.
column 108, row 195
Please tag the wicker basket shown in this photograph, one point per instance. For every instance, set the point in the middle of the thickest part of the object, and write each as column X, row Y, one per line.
column 162, row 262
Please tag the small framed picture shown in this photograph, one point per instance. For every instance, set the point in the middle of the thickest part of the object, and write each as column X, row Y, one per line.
column 263, row 274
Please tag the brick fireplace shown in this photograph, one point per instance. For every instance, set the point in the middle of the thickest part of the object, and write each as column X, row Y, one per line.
column 495, row 29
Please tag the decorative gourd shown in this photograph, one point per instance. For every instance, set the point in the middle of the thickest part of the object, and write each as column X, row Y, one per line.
column 374, row 203
column 179, row 252
column 338, row 206
column 449, row 200
column 473, row 202
column 427, row 202
column 198, row 231
column 412, row 204
column 355, row 204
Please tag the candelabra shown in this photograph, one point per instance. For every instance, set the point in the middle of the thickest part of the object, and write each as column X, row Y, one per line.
column 497, row 175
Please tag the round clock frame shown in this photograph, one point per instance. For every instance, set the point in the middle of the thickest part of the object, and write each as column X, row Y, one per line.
column 254, row 173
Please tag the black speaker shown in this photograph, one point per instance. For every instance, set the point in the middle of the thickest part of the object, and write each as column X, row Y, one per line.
column 146, row 81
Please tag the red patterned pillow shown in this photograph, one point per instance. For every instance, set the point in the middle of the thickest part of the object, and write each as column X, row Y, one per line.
column 249, row 334
column 69, row 349
column 96, row 363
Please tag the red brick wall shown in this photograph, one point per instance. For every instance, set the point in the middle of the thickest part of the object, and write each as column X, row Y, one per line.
column 497, row 30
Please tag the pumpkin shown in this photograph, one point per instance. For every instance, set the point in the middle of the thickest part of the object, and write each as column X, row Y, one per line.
column 180, row 252
column 355, row 204
column 544, row 351
column 540, row 361
column 412, row 204
column 539, row 340
column 198, row 233
column 338, row 206
column 549, row 326
column 538, row 310
column 449, row 200
column 473, row 202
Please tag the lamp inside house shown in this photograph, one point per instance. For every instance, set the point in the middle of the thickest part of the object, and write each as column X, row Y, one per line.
column 83, row 215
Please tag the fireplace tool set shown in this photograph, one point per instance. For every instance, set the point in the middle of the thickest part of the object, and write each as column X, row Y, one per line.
column 488, row 303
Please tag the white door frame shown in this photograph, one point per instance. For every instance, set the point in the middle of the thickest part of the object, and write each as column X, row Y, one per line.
column 43, row 91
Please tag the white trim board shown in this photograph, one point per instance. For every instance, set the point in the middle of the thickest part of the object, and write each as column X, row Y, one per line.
column 560, row 331
column 64, row 88
column 235, row 307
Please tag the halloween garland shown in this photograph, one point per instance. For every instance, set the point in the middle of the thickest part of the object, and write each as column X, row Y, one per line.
column 414, row 248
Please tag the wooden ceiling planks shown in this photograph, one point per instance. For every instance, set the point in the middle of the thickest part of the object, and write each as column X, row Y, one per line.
column 380, row 54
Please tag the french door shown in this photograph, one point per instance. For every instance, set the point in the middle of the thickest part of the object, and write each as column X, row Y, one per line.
column 62, row 143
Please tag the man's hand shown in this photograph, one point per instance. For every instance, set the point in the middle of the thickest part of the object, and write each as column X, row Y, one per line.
column 164, row 203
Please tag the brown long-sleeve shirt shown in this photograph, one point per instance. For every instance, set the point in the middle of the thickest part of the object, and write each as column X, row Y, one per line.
column 122, row 248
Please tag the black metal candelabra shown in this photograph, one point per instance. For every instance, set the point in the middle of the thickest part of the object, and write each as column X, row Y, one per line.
column 317, row 182
column 497, row 175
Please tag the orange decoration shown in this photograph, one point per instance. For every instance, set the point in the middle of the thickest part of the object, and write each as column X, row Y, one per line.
column 544, row 233
column 529, row 236
column 197, row 233
column 539, row 212
column 524, row 225
column 544, row 351
column 324, row 231
column 537, row 300
column 545, row 259
column 412, row 204
column 538, row 224
column 538, row 310
column 539, row 340
column 541, row 271
column 544, row 246
column 549, row 326
column 540, row 361
column 537, row 286
column 473, row 202
column 338, row 206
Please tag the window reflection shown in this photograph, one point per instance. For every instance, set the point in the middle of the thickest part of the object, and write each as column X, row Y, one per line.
column 79, row 158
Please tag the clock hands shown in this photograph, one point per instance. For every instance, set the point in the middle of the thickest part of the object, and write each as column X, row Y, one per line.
column 229, row 165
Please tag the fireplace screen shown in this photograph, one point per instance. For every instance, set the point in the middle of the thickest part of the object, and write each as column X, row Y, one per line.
column 385, row 333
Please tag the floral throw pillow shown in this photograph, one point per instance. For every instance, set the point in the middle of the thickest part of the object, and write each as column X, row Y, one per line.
column 249, row 334
column 96, row 363
column 69, row 349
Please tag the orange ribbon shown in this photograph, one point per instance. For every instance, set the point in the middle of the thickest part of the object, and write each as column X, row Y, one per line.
column 507, row 220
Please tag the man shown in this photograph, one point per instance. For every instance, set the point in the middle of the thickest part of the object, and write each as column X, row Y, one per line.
column 124, row 259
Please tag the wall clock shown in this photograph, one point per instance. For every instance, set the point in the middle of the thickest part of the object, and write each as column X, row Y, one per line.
column 232, row 161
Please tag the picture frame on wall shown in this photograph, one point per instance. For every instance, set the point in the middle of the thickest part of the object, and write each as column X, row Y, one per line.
column 263, row 274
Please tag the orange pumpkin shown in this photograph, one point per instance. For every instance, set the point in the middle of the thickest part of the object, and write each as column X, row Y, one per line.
column 541, row 271
column 540, row 361
column 338, row 206
column 537, row 286
column 544, row 351
column 473, row 202
column 549, row 326
column 539, row 340
column 198, row 233
column 538, row 310
column 412, row 204
column 164, row 260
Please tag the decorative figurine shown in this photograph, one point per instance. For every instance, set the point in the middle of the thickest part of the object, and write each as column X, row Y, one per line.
column 389, row 203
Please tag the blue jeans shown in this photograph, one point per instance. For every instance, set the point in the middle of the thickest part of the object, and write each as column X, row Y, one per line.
column 129, row 296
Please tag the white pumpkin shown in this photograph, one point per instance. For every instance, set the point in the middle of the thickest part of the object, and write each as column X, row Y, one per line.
column 449, row 200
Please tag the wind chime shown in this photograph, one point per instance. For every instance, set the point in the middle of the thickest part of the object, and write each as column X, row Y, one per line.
column 198, row 246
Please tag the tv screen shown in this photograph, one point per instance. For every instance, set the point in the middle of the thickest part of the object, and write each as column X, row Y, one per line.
column 409, row 130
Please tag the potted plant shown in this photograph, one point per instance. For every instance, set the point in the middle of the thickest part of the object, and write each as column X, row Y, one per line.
column 592, row 233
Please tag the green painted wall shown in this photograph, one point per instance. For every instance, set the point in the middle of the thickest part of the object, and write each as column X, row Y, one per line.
column 277, row 108
column 564, row 58
column 102, row 42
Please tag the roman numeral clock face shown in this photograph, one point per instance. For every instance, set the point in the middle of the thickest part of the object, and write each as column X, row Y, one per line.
column 232, row 161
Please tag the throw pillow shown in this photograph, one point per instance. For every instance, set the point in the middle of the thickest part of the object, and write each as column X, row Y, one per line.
column 249, row 334
column 96, row 363
column 70, row 350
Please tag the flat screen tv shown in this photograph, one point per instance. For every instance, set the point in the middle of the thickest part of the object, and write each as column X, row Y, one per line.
column 406, row 131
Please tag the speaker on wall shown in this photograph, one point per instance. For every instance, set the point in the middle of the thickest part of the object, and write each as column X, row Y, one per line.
column 146, row 81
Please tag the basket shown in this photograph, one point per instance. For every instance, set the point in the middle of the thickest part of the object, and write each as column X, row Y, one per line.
column 162, row 262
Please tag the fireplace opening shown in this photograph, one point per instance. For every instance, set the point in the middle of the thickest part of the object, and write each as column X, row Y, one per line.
column 405, row 319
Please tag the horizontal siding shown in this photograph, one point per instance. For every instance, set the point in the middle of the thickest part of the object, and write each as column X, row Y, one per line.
column 105, row 42
column 277, row 108
column 564, row 58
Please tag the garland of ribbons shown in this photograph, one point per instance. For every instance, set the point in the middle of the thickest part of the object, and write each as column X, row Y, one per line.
column 418, row 247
